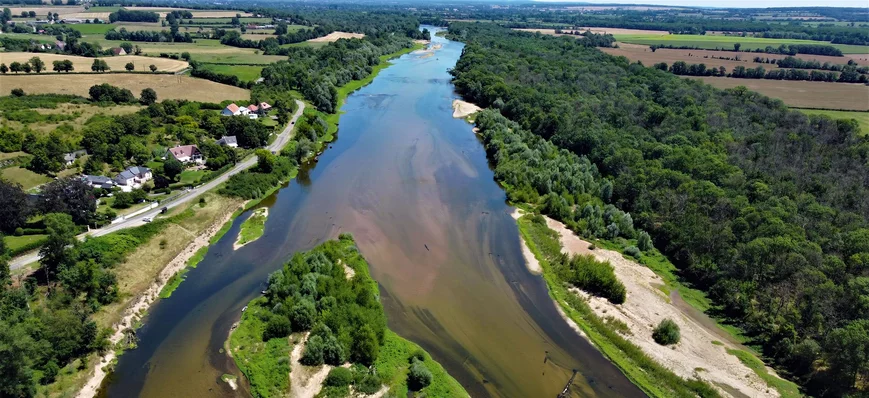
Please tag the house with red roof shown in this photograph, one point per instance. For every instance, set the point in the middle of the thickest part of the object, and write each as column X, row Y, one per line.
column 187, row 154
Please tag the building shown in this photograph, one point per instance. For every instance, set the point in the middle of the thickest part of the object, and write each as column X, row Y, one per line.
column 133, row 177
column 69, row 158
column 60, row 45
column 187, row 154
column 71, row 20
column 229, row 141
column 252, row 109
column 118, row 51
column 98, row 181
column 264, row 108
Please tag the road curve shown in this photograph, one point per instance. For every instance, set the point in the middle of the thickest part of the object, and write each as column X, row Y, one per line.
column 282, row 139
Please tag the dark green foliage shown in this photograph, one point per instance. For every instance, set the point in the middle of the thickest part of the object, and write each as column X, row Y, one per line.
column 345, row 319
column 124, row 200
column 666, row 333
column 148, row 96
column 133, row 16
column 753, row 202
column 633, row 251
column 593, row 276
column 644, row 241
column 14, row 208
column 339, row 377
column 419, row 376
column 278, row 327
column 71, row 196
column 172, row 167
column 370, row 384
column 107, row 93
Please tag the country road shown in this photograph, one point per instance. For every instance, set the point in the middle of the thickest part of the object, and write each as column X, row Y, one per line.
column 275, row 146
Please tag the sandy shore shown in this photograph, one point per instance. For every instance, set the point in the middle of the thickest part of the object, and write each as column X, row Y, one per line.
column 530, row 260
column 646, row 306
column 140, row 306
column 463, row 108
column 335, row 36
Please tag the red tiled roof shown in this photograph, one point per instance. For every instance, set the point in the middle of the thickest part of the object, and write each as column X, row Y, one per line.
column 232, row 108
column 264, row 105
column 252, row 107
column 184, row 151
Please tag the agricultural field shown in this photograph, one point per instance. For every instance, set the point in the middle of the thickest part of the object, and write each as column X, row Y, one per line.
column 244, row 72
column 612, row 31
column 93, row 29
column 225, row 20
column 638, row 52
column 713, row 42
column 79, row 114
column 801, row 94
column 243, row 56
column 861, row 117
column 256, row 36
column 83, row 64
column 166, row 86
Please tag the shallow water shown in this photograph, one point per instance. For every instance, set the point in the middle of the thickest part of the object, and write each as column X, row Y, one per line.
column 413, row 186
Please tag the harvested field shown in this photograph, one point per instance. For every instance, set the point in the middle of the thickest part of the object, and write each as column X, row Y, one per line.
column 802, row 94
column 256, row 37
column 727, row 42
column 335, row 36
column 86, row 15
column 83, row 64
column 166, row 86
column 612, row 31
column 146, row 8
column 219, row 14
column 41, row 11
column 649, row 58
column 626, row 48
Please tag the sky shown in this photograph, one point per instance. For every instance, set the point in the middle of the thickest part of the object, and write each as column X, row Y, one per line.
column 742, row 3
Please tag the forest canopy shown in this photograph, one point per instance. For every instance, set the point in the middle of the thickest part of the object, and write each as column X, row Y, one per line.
column 762, row 207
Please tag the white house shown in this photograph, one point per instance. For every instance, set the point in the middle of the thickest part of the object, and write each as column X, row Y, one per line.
column 187, row 154
column 229, row 141
column 133, row 177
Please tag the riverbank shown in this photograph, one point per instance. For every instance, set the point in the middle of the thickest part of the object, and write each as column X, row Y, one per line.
column 462, row 109
column 252, row 228
column 266, row 353
column 699, row 355
column 146, row 274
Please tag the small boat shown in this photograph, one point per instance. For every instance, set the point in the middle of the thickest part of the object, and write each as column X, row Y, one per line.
column 244, row 309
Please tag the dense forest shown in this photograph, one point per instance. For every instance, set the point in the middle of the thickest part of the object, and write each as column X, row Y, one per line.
column 764, row 208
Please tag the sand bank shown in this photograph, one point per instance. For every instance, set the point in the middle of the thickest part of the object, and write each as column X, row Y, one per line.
column 463, row 108
column 646, row 306
column 140, row 306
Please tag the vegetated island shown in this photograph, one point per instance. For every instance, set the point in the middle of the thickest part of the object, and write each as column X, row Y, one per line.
column 252, row 228
column 320, row 321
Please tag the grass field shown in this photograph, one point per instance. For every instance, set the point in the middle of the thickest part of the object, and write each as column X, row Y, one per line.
column 254, row 227
column 861, row 117
column 238, row 57
column 14, row 242
column 802, row 94
column 92, row 29
column 83, row 64
column 726, row 42
column 166, row 86
column 26, row 178
column 84, row 111
column 247, row 73
column 191, row 176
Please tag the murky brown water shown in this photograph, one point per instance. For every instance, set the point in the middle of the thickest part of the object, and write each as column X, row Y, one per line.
column 413, row 186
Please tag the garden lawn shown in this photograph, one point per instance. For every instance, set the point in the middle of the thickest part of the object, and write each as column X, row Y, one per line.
column 26, row 178
column 15, row 242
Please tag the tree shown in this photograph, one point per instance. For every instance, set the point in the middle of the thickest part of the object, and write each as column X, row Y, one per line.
column 26, row 67
column 365, row 346
column 129, row 66
column 67, row 66
column 57, row 66
column 5, row 273
column 277, row 327
column 4, row 68
column 185, row 56
column 15, row 67
column 37, row 64
column 172, row 167
column 128, row 48
column 303, row 315
column 61, row 236
column 265, row 161
column 848, row 354
column 148, row 96
column 736, row 46
column 644, row 241
column 419, row 376
column 71, row 196
column 16, row 362
column 153, row 68
column 14, row 207
column 666, row 333
column 100, row 65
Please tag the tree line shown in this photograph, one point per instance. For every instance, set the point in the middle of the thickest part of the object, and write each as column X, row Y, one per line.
column 682, row 68
column 786, row 49
column 797, row 63
column 124, row 15
column 762, row 207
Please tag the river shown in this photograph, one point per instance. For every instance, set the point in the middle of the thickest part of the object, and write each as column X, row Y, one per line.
column 413, row 186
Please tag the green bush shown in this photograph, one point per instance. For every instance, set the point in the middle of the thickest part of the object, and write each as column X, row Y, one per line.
column 339, row 377
column 369, row 385
column 632, row 251
column 279, row 326
column 419, row 376
column 593, row 276
column 666, row 333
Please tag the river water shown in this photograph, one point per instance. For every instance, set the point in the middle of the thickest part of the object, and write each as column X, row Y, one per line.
column 413, row 186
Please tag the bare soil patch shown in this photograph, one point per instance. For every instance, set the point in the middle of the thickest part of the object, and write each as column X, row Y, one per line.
column 611, row 31
column 646, row 306
column 166, row 86
column 219, row 14
column 305, row 381
column 802, row 94
column 83, row 64
column 335, row 36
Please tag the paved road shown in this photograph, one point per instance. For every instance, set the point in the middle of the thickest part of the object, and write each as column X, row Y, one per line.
column 275, row 146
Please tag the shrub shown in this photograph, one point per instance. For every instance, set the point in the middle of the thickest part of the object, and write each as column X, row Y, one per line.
column 644, row 241
column 19, row 231
column 666, row 333
column 419, row 376
column 339, row 377
column 278, row 326
column 594, row 277
column 369, row 385
column 17, row 92
column 632, row 251
column 313, row 354
column 418, row 355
